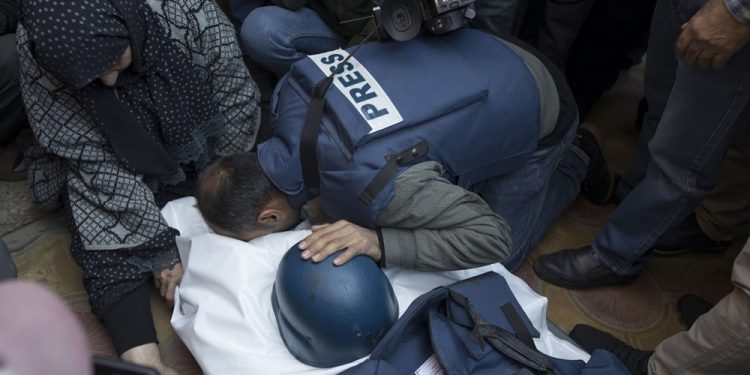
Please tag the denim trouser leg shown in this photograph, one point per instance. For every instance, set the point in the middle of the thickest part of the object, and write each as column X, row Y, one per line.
column 702, row 112
column 658, row 80
column 532, row 197
column 276, row 37
column 239, row 9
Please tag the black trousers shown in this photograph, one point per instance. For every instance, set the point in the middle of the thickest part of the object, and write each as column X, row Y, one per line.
column 129, row 320
column 591, row 40
column 613, row 38
column 12, row 115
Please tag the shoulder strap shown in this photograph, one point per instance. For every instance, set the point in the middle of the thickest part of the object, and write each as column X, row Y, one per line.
column 516, row 323
column 505, row 342
column 378, row 183
column 309, row 140
column 308, row 146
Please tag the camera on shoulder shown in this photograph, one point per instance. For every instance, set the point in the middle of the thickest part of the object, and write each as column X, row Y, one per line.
column 402, row 19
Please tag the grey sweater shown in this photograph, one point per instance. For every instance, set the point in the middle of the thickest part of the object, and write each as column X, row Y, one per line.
column 433, row 225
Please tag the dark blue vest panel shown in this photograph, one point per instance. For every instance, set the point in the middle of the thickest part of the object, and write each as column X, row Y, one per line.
column 474, row 326
column 465, row 95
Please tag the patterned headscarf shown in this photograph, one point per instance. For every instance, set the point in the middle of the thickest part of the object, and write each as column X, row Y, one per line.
column 160, row 111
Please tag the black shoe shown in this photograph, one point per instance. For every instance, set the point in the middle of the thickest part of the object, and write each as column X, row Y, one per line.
column 599, row 183
column 577, row 269
column 690, row 307
column 687, row 236
column 590, row 339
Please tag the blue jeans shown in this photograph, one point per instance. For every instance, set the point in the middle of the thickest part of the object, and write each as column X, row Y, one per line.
column 532, row 197
column 693, row 115
column 276, row 37
column 239, row 9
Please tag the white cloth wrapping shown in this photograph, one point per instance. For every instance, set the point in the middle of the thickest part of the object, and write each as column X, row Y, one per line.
column 223, row 306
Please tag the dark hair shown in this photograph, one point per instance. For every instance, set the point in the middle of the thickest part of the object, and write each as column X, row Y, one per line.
column 232, row 191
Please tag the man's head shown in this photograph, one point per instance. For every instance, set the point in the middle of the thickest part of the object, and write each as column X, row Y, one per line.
column 237, row 200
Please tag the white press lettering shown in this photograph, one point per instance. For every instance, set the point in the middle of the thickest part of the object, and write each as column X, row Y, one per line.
column 364, row 93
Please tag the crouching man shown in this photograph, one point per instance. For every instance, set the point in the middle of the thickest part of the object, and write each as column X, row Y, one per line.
column 439, row 153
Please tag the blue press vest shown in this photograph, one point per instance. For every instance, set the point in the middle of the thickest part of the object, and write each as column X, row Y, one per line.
column 463, row 99
column 474, row 326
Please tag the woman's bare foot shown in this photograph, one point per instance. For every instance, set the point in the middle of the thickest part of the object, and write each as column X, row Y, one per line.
column 147, row 355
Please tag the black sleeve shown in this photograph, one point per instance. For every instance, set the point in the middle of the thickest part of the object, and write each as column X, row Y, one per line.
column 10, row 12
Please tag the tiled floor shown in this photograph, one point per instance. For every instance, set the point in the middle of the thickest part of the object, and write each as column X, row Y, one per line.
column 643, row 313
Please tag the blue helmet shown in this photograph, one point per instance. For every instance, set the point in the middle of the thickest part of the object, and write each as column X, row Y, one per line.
column 330, row 315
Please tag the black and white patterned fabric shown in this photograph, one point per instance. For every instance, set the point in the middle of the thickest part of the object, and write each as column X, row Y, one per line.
column 159, row 113
column 112, row 206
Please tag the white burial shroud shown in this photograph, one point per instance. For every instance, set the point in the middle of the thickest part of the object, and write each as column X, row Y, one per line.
column 223, row 306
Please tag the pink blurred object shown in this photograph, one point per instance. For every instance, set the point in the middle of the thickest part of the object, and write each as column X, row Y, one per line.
column 39, row 334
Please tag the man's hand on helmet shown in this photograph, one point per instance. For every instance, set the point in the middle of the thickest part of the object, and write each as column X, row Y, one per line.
column 328, row 238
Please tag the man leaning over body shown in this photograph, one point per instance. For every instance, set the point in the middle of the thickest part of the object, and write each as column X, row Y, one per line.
column 431, row 224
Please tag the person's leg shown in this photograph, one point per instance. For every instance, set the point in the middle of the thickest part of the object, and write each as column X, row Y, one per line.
column 239, row 9
column 118, row 293
column 723, row 215
column 531, row 198
column 130, row 324
column 12, row 117
column 605, row 46
column 498, row 16
column 119, row 240
column 659, row 76
column 114, row 284
column 276, row 37
column 719, row 341
column 560, row 26
column 705, row 110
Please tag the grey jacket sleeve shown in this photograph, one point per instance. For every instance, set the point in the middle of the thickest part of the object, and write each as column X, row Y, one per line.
column 433, row 225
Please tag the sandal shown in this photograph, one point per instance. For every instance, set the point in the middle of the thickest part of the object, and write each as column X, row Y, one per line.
column 12, row 167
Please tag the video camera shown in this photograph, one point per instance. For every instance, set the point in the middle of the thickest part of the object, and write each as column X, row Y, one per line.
column 402, row 19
